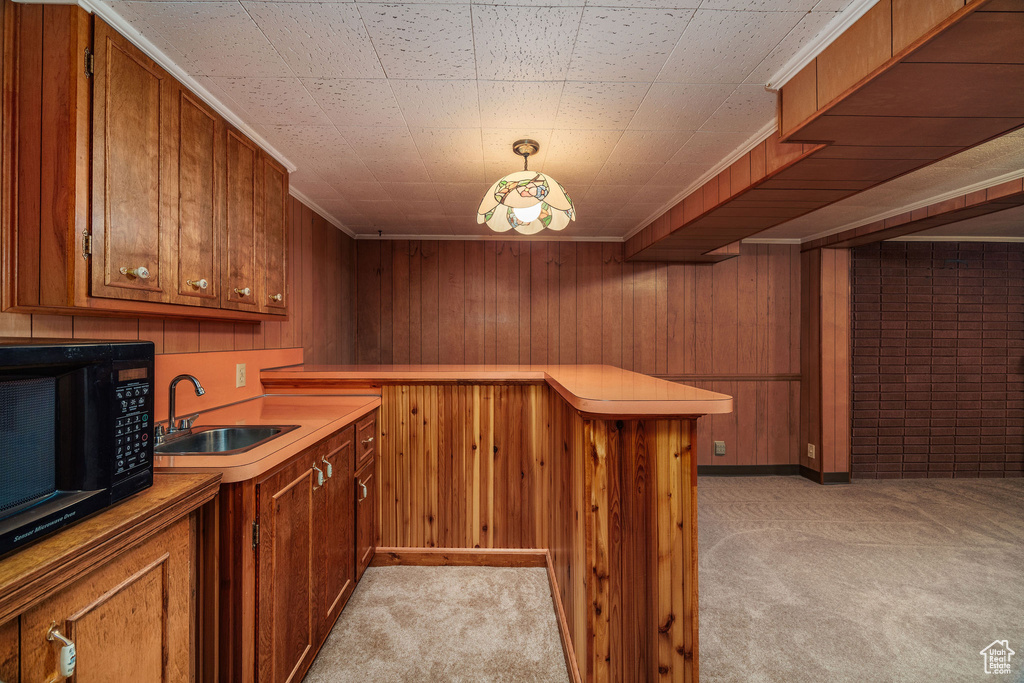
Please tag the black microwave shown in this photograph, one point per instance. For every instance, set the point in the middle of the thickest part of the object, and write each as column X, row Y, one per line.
column 76, row 431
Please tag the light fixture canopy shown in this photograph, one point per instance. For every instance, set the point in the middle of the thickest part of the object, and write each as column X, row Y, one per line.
column 526, row 201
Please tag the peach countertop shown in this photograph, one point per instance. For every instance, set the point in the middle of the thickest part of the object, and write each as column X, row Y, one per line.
column 595, row 389
column 316, row 417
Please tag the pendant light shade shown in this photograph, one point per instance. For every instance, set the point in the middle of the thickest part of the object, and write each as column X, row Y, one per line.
column 526, row 201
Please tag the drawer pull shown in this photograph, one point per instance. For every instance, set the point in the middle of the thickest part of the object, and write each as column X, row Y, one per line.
column 365, row 492
column 245, row 291
column 67, row 656
column 198, row 284
column 367, row 441
column 328, row 466
column 319, row 477
column 141, row 272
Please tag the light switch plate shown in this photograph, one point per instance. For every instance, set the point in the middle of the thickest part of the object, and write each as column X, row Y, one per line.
column 719, row 448
column 239, row 375
column 810, row 451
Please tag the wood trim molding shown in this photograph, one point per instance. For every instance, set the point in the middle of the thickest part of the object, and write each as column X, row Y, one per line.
column 1006, row 195
column 698, row 377
column 568, row 651
column 459, row 557
column 747, row 470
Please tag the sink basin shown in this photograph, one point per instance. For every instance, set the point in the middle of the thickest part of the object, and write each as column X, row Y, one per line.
column 223, row 440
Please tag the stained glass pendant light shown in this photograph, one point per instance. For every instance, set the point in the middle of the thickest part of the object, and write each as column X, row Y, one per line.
column 526, row 201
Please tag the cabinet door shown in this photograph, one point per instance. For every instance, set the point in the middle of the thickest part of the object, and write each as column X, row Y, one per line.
column 366, row 517
column 131, row 102
column 197, row 212
column 285, row 626
column 242, row 288
column 274, row 221
column 337, row 533
column 131, row 619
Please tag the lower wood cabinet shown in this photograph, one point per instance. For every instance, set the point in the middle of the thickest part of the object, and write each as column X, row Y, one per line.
column 366, row 516
column 121, row 585
column 289, row 560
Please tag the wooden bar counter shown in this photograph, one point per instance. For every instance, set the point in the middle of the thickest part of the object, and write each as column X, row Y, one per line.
column 590, row 464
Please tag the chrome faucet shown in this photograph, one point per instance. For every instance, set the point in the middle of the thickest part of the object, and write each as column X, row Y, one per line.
column 185, row 422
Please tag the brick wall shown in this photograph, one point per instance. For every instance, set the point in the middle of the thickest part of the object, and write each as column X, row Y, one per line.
column 938, row 360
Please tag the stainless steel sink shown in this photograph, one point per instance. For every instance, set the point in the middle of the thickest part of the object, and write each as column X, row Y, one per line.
column 222, row 440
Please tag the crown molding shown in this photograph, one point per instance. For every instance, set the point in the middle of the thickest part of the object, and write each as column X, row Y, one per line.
column 153, row 52
column 771, row 240
column 805, row 55
column 324, row 213
column 756, row 139
column 952, row 194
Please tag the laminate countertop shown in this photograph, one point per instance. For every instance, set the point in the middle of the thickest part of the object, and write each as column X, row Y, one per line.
column 314, row 417
column 601, row 390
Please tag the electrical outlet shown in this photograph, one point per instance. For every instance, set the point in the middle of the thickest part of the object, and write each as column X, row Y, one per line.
column 719, row 448
column 810, row 451
column 239, row 375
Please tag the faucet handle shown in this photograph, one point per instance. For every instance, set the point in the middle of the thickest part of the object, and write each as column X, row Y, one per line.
column 186, row 422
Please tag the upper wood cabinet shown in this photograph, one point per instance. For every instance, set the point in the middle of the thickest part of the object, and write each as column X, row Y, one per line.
column 133, row 196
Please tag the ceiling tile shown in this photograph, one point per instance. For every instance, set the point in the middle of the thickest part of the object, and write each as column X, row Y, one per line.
column 724, row 47
column 625, row 44
column 607, row 194
column 438, row 104
column 761, row 5
column 498, row 146
column 465, row 211
column 411, row 192
column 655, row 194
column 390, row 141
column 580, row 147
column 319, row 40
column 679, row 106
column 510, row 104
column 679, row 176
column 431, row 208
column 795, row 40
column 456, row 170
column 748, row 110
column 505, row 52
column 356, row 102
column 709, row 148
column 422, row 41
column 273, row 100
column 650, row 4
column 574, row 177
column 219, row 38
column 355, row 191
column 448, row 144
column 397, row 170
column 468, row 193
column 626, row 174
column 648, row 146
column 599, row 106
column 637, row 211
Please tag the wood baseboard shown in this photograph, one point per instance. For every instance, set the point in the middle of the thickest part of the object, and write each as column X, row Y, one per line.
column 824, row 478
column 746, row 470
column 459, row 557
column 572, row 667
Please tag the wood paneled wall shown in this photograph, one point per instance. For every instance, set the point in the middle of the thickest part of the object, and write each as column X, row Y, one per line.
column 731, row 327
column 825, row 359
column 321, row 290
column 515, row 466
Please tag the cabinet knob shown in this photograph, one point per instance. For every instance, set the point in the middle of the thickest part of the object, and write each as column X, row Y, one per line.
column 198, row 284
column 141, row 272
column 245, row 291
column 277, row 297
column 67, row 656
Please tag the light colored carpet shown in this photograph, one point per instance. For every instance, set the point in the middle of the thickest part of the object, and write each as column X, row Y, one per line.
column 445, row 624
column 875, row 581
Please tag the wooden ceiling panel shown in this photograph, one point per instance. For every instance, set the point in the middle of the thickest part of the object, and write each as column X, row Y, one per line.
column 788, row 184
column 897, row 131
column 940, row 89
column 820, row 197
column 849, row 169
column 859, row 152
column 981, row 38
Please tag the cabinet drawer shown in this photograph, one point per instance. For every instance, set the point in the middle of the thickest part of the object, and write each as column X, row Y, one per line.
column 366, row 439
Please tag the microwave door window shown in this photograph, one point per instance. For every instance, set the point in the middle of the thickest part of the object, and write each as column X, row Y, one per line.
column 27, row 441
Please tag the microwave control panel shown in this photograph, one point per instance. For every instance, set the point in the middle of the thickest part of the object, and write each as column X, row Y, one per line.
column 133, row 429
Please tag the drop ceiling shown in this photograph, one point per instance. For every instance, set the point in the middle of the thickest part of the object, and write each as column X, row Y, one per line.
column 398, row 117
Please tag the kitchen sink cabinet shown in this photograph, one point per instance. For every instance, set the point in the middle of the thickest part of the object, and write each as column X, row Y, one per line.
column 134, row 197
column 288, row 561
